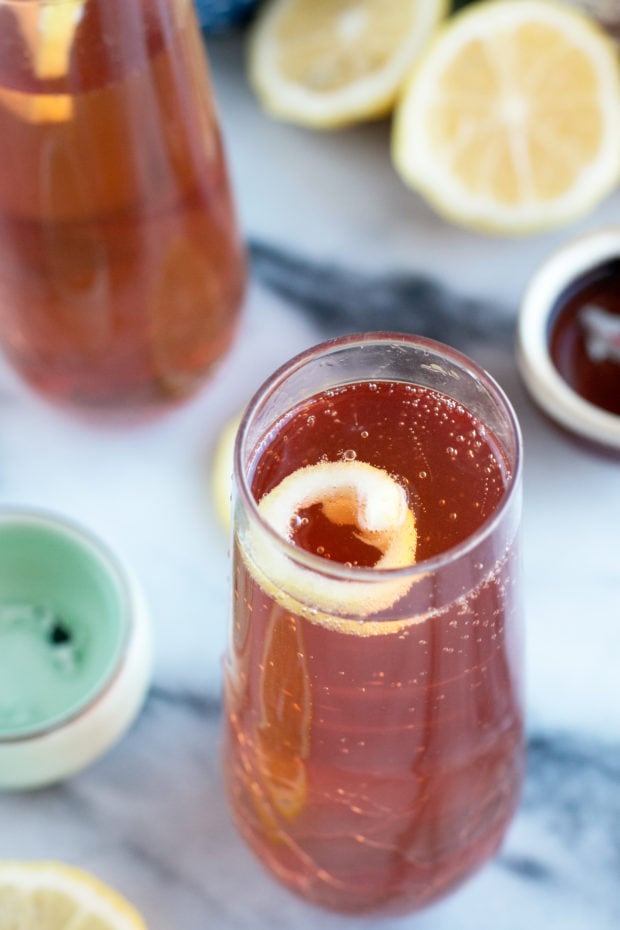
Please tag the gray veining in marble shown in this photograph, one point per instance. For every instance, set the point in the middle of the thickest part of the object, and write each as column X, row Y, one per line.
column 342, row 300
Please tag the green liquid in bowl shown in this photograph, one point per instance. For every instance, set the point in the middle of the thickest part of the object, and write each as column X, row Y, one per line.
column 63, row 623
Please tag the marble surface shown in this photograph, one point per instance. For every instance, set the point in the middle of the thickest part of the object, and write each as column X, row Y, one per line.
column 337, row 244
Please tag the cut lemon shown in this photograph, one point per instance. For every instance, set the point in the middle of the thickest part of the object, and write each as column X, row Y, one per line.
column 222, row 469
column 52, row 896
column 511, row 120
column 329, row 63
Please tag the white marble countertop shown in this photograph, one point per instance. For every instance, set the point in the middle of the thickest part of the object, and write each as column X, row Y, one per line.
column 150, row 817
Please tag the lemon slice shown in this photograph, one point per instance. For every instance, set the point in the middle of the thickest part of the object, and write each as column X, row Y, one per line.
column 511, row 120
column 350, row 492
column 222, row 469
column 329, row 63
column 52, row 896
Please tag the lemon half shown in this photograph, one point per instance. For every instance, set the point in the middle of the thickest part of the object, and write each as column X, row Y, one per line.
column 511, row 120
column 329, row 63
column 53, row 896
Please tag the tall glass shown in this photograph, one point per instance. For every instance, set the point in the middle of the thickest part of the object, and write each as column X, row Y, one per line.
column 121, row 269
column 374, row 739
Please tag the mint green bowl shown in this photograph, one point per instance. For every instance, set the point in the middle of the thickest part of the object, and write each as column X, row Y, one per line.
column 74, row 648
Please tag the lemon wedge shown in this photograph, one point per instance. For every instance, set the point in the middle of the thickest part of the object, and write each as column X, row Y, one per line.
column 52, row 896
column 510, row 122
column 349, row 492
column 222, row 469
column 330, row 63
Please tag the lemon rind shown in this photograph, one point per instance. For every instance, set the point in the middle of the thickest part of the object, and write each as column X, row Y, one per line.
column 420, row 165
column 323, row 598
column 369, row 98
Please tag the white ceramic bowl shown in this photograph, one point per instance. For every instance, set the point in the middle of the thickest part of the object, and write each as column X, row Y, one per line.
column 546, row 385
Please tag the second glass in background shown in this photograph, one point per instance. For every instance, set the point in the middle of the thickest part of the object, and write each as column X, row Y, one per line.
column 121, row 268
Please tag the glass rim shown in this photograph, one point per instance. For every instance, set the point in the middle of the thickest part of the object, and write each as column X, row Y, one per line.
column 336, row 570
column 115, row 572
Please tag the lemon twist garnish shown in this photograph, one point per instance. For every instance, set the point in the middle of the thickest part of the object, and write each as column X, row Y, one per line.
column 349, row 492
column 355, row 493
